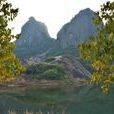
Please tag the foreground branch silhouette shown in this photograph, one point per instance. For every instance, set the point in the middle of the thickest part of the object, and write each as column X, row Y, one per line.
column 10, row 66
column 100, row 49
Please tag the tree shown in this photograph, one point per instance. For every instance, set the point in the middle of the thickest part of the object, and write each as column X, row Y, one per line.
column 10, row 66
column 100, row 49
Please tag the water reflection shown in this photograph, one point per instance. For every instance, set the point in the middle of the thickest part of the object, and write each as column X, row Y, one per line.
column 56, row 101
column 40, row 112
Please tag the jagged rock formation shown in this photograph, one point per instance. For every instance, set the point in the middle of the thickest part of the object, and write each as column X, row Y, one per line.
column 72, row 66
column 78, row 30
column 34, row 39
column 58, row 67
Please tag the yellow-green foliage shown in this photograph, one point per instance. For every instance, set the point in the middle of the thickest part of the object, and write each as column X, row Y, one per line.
column 10, row 66
column 100, row 50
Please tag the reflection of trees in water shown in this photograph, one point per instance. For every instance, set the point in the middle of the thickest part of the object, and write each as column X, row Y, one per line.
column 39, row 112
column 41, row 108
column 35, row 101
column 56, row 102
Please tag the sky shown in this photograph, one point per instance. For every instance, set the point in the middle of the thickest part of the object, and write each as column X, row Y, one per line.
column 54, row 13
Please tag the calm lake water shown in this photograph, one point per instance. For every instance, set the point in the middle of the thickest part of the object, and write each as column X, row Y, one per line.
column 80, row 100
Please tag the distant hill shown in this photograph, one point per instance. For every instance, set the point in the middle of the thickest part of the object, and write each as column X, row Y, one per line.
column 34, row 39
column 78, row 30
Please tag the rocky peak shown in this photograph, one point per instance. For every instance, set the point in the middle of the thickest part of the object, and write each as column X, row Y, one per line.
column 78, row 30
column 36, row 30
column 32, row 19
column 87, row 11
column 34, row 39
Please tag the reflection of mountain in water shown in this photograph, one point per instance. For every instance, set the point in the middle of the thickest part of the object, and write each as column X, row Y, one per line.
column 56, row 101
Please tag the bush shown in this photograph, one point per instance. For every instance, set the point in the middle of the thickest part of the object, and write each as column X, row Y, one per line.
column 46, row 71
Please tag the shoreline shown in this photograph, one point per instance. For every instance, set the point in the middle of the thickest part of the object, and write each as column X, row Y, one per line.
column 22, row 83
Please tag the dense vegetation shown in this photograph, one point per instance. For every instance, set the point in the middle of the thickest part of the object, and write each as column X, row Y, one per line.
column 100, row 50
column 46, row 71
column 10, row 66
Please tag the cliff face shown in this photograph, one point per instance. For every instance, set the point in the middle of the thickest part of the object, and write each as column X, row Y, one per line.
column 78, row 30
column 34, row 39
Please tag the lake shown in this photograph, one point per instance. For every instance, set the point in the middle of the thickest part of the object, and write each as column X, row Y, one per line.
column 67, row 100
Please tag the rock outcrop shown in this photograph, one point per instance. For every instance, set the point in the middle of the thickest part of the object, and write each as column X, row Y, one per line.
column 58, row 67
column 72, row 66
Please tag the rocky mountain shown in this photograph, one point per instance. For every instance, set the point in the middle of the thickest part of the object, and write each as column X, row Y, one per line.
column 34, row 39
column 78, row 30
column 35, row 46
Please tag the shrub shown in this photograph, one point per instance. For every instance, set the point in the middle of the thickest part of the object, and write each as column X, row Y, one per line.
column 46, row 71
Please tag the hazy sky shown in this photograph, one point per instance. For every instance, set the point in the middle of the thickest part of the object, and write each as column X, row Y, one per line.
column 54, row 13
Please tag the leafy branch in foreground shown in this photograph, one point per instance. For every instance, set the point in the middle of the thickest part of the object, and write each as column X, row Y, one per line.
column 100, row 49
column 10, row 66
